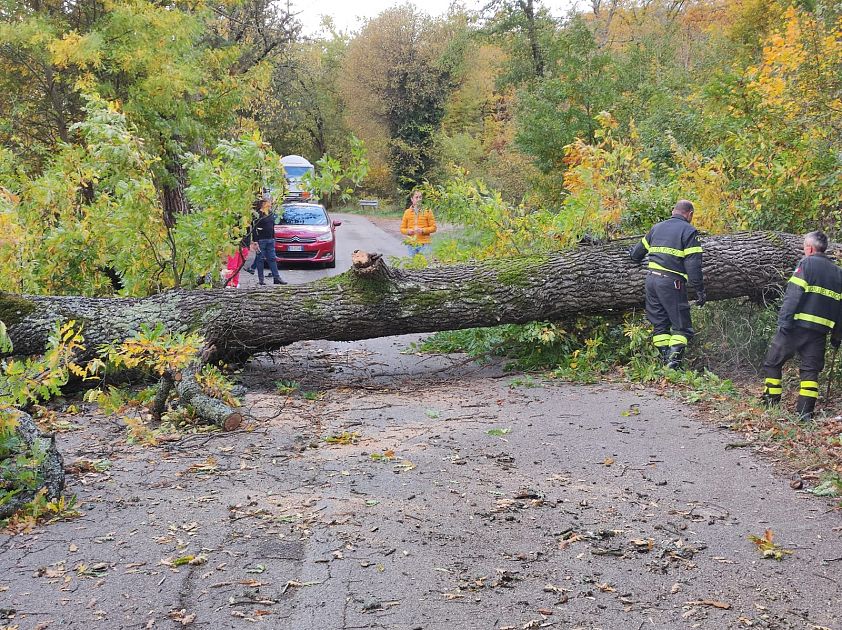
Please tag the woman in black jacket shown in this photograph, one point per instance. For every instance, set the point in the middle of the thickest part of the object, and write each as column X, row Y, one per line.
column 263, row 239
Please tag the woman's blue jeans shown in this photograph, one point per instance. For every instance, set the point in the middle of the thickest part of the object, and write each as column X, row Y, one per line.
column 425, row 250
column 267, row 253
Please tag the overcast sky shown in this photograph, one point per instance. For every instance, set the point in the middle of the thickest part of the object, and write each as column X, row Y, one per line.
column 348, row 15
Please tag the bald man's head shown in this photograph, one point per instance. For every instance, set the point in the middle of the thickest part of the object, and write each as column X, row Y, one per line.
column 684, row 209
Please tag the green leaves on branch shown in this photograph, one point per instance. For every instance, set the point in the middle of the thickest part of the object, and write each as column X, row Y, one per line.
column 155, row 349
column 332, row 182
column 26, row 381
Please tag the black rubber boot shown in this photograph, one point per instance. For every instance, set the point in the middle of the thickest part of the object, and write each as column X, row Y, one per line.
column 804, row 407
column 665, row 354
column 676, row 355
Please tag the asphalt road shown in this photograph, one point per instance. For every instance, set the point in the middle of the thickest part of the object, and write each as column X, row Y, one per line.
column 356, row 232
column 396, row 491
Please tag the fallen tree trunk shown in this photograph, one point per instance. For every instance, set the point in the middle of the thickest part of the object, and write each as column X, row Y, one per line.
column 373, row 300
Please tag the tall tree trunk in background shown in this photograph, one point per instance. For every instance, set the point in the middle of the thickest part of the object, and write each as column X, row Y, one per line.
column 528, row 8
column 172, row 191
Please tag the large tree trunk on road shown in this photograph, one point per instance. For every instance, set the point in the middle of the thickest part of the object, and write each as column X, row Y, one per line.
column 373, row 300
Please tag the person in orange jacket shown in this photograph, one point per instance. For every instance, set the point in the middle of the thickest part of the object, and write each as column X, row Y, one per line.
column 418, row 224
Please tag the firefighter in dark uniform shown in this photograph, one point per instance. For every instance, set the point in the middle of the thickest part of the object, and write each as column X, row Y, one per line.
column 812, row 307
column 675, row 259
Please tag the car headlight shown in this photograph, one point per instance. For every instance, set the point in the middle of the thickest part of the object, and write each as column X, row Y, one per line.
column 327, row 236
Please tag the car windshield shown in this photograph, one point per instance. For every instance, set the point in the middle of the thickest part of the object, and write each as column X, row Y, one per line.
column 301, row 215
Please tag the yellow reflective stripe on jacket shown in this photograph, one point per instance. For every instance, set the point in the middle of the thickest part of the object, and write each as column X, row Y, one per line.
column 666, row 250
column 678, row 340
column 678, row 253
column 799, row 281
column 810, row 393
column 815, row 319
column 814, row 288
column 810, row 384
column 773, row 381
column 653, row 265
column 833, row 295
column 645, row 243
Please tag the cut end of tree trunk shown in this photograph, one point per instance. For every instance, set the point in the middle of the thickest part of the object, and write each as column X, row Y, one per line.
column 232, row 422
column 364, row 261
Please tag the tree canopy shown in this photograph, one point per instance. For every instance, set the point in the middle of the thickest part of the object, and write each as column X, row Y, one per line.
column 134, row 124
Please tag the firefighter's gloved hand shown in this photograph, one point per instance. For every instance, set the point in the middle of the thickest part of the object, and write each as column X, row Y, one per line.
column 836, row 343
column 701, row 298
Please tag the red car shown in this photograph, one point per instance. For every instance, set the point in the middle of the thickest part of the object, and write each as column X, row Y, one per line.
column 304, row 232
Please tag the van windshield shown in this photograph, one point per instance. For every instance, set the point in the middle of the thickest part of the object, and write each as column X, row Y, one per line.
column 296, row 172
column 301, row 215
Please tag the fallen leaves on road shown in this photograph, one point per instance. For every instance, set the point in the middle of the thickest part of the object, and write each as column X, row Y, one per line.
column 208, row 467
column 404, row 466
column 191, row 560
column 95, row 570
column 296, row 584
column 386, row 456
column 344, row 438
column 182, row 616
column 767, row 547
column 87, row 466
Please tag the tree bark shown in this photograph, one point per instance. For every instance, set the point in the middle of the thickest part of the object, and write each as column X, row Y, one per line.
column 373, row 300
column 209, row 408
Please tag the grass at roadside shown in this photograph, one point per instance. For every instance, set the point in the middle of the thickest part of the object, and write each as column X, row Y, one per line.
column 812, row 451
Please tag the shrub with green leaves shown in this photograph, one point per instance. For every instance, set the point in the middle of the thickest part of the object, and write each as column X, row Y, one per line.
column 28, row 381
column 97, row 211
column 333, row 182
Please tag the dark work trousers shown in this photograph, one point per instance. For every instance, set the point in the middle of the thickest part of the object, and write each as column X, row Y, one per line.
column 807, row 343
column 668, row 310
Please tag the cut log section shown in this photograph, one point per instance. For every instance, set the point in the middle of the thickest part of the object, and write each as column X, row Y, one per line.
column 189, row 392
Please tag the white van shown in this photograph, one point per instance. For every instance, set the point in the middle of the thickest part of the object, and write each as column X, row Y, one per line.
column 295, row 168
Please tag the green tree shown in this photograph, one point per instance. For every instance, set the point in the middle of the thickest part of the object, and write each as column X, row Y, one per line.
column 526, row 29
column 562, row 105
column 302, row 111
column 182, row 73
column 396, row 78
column 95, row 210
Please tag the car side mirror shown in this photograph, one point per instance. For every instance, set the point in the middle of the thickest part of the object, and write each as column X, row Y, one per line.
column 337, row 223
